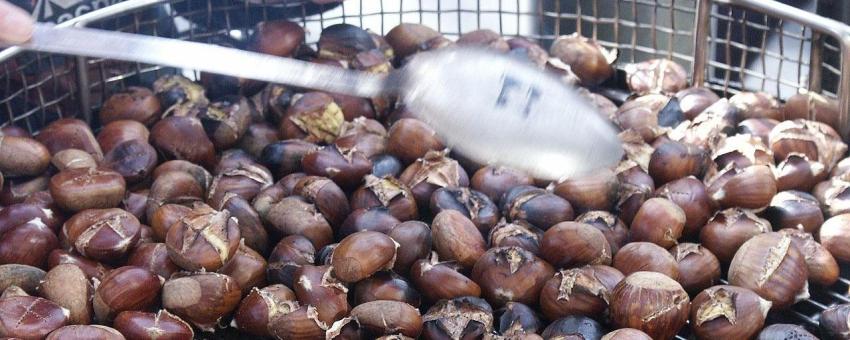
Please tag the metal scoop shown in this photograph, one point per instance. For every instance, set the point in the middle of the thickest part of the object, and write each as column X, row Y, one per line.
column 488, row 107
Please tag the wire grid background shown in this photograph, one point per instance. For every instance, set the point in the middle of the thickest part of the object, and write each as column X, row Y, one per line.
column 774, row 57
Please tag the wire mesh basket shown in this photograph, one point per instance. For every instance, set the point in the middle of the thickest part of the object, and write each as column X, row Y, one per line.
column 729, row 46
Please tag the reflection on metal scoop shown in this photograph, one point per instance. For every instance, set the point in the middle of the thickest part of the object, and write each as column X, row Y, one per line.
column 488, row 107
column 497, row 110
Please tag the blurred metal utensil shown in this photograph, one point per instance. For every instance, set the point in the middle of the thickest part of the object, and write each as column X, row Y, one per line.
column 490, row 108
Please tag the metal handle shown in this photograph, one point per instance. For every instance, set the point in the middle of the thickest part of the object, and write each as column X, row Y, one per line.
column 818, row 24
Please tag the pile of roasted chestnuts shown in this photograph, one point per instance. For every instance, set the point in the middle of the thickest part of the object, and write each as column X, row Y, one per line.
column 232, row 206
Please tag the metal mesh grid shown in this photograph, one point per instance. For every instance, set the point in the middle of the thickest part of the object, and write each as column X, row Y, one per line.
column 774, row 57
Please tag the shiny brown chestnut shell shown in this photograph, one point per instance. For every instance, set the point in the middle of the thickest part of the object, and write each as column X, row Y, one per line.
column 153, row 257
column 408, row 38
column 261, row 306
column 18, row 190
column 590, row 61
column 645, row 256
column 516, row 234
column 597, row 191
column 326, row 195
column 758, row 127
column 92, row 269
column 579, row 291
column 794, row 209
column 656, row 75
column 316, row 286
column 473, row 204
column 362, row 254
column 345, row 167
column 67, row 286
column 834, row 234
column 284, row 157
column 410, row 139
column 30, row 317
column 626, row 334
column 772, row 266
column 414, row 240
column 201, row 299
column 257, row 137
column 295, row 216
column 649, row 115
column 752, row 187
column 728, row 312
column 125, row 288
column 690, row 195
column 385, row 285
column 572, row 244
column 388, row 317
column 536, row 206
column 441, row 280
column 817, row 141
column 120, row 131
column 277, row 37
column 247, row 268
column 29, row 244
column 375, row 219
column 659, row 221
column 183, row 138
column 636, row 186
column 244, row 181
column 650, row 302
column 92, row 188
column 152, row 326
column 673, row 160
column 134, row 103
column 287, row 256
column 798, row 172
column 85, row 332
column 387, row 192
column 456, row 238
column 728, row 229
column 694, row 100
column 511, row 274
column 106, row 235
column 494, row 181
column 251, row 228
column 69, row 133
column 613, row 228
column 698, row 267
column 22, row 156
column 833, row 321
column 823, row 269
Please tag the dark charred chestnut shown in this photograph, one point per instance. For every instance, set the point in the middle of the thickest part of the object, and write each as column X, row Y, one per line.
column 284, row 157
column 386, row 165
column 645, row 256
column 535, row 205
column 343, row 41
column 579, row 291
column 178, row 95
column 590, row 61
column 150, row 326
column 772, row 266
column 728, row 312
column 574, row 326
column 698, row 267
column 201, row 298
column 516, row 319
column 571, row 244
column 651, row 302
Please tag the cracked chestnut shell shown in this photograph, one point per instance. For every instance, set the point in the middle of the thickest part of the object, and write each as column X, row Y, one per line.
column 386, row 285
column 798, row 172
column 796, row 210
column 752, row 187
column 295, row 216
column 316, row 286
column 458, row 318
column 645, row 256
column 106, row 235
column 516, row 319
column 651, row 302
column 433, row 171
column 511, row 274
column 772, row 266
column 572, row 244
column 87, row 188
column 362, row 254
column 579, row 291
column 343, row 41
column 441, row 280
column 516, row 234
column 244, row 181
column 816, row 141
column 587, row 59
column 287, row 256
column 613, row 228
column 757, row 105
column 758, row 127
column 727, row 312
column 473, row 204
column 153, row 326
column 698, row 267
column 247, row 268
column 536, row 206
column 261, row 307
column 387, row 192
column 250, row 226
column 834, row 321
column 728, row 229
column 823, row 269
column 691, row 196
column 636, row 186
column 328, row 197
column 202, row 298
column 29, row 244
column 346, row 167
column 85, row 332
column 125, row 288
column 656, row 76
column 385, row 317
column 203, row 239
column 414, row 243
column 153, row 257
column 456, row 238
column 650, row 115
column 183, row 138
column 313, row 117
column 30, row 317
column 574, row 326
column 659, row 221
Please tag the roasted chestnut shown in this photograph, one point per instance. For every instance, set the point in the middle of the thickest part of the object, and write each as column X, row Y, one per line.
column 284, row 157
column 386, row 192
column 385, row 286
column 87, row 188
column 834, row 235
column 785, row 331
column 817, row 141
column 722, row 312
column 29, row 244
column 261, row 307
column 579, row 291
column 758, row 127
column 645, row 256
column 459, row 318
column 651, row 302
column 698, row 267
column 123, row 289
column 287, row 256
column 22, row 156
column 67, row 286
column 183, row 138
column 134, row 103
column 316, row 286
column 362, row 254
column 656, row 75
column 441, row 280
column 105, row 235
column 674, row 160
column 659, row 221
column 833, row 321
column 247, row 268
column 414, row 243
column 511, row 274
column 590, row 61
column 694, row 100
column 343, row 41
column 649, row 115
column 152, row 326
column 313, row 117
column 203, row 239
column 473, row 204
column 295, row 216
column 387, row 317
column 772, row 266
column 594, row 192
column 823, row 269
column 455, row 237
column 796, row 210
column 29, row 317
column 518, row 234
column 375, row 219
column 494, row 181
column 69, row 133
column 572, row 244
column 484, row 38
column 537, row 206
column 752, row 187
column 728, row 229
column 201, row 298
column 153, row 257
column 408, row 38
column 410, row 139
column 757, row 105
